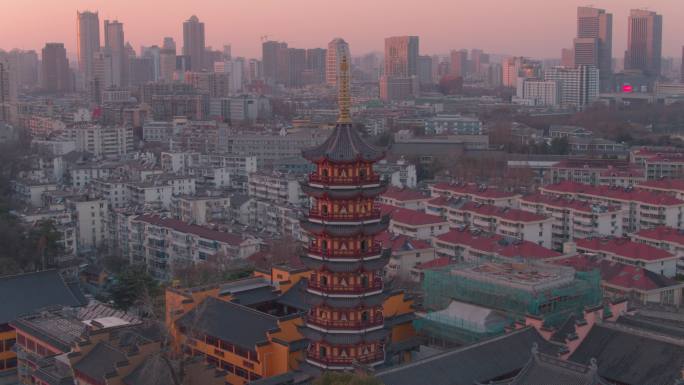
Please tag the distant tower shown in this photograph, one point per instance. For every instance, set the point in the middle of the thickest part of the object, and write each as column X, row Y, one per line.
column 345, row 324
column 115, row 46
column 337, row 49
column 644, row 42
column 594, row 42
column 55, row 74
column 401, row 56
column 193, row 42
column 87, row 41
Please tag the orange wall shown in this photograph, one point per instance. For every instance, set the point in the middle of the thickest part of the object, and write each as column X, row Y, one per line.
column 6, row 355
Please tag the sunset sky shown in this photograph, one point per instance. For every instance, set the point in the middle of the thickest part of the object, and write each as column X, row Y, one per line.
column 538, row 28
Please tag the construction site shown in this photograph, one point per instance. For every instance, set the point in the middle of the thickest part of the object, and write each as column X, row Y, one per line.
column 464, row 303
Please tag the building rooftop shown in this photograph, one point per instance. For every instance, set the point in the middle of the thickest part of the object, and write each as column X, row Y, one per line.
column 26, row 293
column 568, row 203
column 497, row 245
column 662, row 234
column 404, row 194
column 624, row 248
column 344, row 145
column 204, row 232
column 399, row 243
column 414, row 218
column 621, row 275
column 474, row 189
column 614, row 193
column 663, row 184
column 504, row 213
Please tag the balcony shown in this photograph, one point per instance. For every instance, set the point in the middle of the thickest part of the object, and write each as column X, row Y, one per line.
column 376, row 249
column 317, row 359
column 344, row 180
column 374, row 285
column 314, row 213
column 359, row 325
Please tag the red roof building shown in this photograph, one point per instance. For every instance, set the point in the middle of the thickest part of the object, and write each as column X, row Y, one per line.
column 626, row 251
column 416, row 224
column 407, row 252
column 471, row 246
column 621, row 280
column 665, row 238
column 475, row 193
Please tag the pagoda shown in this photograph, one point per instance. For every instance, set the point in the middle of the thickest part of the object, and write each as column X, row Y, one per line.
column 345, row 324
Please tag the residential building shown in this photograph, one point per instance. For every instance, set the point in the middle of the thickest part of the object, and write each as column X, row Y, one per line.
column 337, row 49
column 400, row 174
column 574, row 219
column 114, row 47
column 666, row 238
column 625, row 251
column 166, row 244
column 514, row 223
column 275, row 187
column 415, row 224
column 596, row 24
column 642, row 209
column 90, row 216
column 404, row 198
column 201, row 209
column 101, row 141
column 453, row 124
column 158, row 192
column 476, row 193
column 407, row 253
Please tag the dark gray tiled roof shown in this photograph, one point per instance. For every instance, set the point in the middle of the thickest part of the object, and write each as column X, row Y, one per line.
column 481, row 362
column 255, row 296
column 296, row 297
column 347, row 267
column 344, row 338
column 567, row 328
column 631, row 357
column 101, row 360
column 344, row 145
column 345, row 230
column 230, row 322
column 656, row 325
column 318, row 192
column 153, row 371
column 27, row 293
column 545, row 370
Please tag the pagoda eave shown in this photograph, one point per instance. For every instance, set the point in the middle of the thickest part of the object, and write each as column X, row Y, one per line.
column 348, row 193
column 345, row 231
column 374, row 264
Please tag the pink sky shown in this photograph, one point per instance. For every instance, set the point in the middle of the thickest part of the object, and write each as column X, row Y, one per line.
column 538, row 28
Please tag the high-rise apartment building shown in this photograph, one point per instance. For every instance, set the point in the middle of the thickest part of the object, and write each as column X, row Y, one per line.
column 644, row 41
column 459, row 63
column 579, row 86
column 55, row 74
column 193, row 43
column 87, row 42
column 5, row 91
column 269, row 57
column 115, row 46
column 568, row 57
column 315, row 65
column 519, row 67
column 594, row 42
column 401, row 56
column 337, row 49
column 425, row 70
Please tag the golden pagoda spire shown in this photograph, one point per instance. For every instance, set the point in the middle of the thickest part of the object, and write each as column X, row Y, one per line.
column 343, row 96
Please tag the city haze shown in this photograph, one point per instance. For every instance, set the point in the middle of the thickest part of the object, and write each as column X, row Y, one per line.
column 535, row 28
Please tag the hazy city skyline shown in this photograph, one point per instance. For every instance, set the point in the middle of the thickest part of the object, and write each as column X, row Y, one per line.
column 532, row 28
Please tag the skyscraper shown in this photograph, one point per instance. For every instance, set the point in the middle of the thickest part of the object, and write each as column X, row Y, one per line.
column 269, row 57
column 425, row 70
column 401, row 56
column 594, row 42
column 55, row 72
column 579, row 86
column 115, row 46
column 315, row 65
column 459, row 63
column 193, row 43
column 644, row 41
column 337, row 48
column 5, row 91
column 87, row 42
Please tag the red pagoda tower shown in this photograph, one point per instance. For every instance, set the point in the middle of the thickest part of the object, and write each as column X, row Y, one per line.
column 345, row 324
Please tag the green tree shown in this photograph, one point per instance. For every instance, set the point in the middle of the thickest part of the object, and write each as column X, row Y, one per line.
column 133, row 287
column 344, row 378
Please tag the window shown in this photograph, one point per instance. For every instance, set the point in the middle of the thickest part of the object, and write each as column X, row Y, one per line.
column 322, row 351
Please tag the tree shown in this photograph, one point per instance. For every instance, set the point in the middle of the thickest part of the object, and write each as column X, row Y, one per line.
column 134, row 286
column 345, row 378
column 560, row 146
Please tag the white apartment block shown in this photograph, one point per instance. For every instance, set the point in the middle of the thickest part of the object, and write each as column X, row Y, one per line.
column 90, row 216
column 643, row 209
column 158, row 193
column 514, row 223
column 665, row 238
column 102, row 142
column 535, row 92
column 114, row 190
column 575, row 219
column 200, row 210
column 31, row 192
column 626, row 251
column 579, row 87
column 275, row 187
column 165, row 244
column 475, row 193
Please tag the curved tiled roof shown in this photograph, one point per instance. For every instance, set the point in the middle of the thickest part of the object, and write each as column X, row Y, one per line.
column 366, row 192
column 345, row 230
column 344, row 145
column 344, row 338
column 347, row 267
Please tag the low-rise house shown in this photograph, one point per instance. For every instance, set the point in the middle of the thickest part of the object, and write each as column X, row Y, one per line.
column 404, row 198
column 406, row 254
column 415, row 224
column 515, row 223
column 476, row 193
column 574, row 218
column 628, row 252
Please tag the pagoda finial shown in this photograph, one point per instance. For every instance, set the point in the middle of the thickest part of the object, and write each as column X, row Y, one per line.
column 343, row 97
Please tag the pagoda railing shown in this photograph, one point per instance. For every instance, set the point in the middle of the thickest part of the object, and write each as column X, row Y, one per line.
column 344, row 180
column 345, row 324
column 374, row 285
column 317, row 214
column 373, row 357
column 349, row 253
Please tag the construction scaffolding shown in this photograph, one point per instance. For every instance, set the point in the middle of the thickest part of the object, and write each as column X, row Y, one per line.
column 516, row 290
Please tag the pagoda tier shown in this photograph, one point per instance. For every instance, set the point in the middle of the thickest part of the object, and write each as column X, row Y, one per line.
column 345, row 324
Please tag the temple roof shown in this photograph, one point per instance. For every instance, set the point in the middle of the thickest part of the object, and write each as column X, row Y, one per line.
column 344, row 338
column 344, row 145
column 345, row 230
column 347, row 266
column 367, row 192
